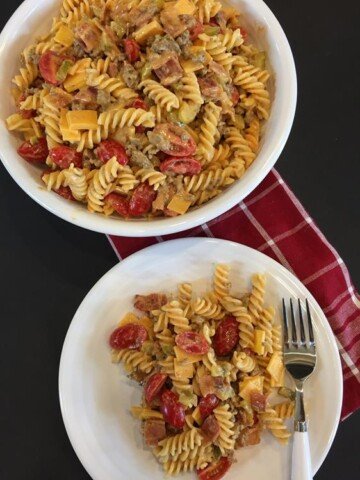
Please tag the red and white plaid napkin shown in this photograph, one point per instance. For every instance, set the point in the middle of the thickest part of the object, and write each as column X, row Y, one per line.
column 273, row 221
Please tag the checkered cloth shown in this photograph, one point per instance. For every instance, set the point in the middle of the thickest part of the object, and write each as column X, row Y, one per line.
column 273, row 221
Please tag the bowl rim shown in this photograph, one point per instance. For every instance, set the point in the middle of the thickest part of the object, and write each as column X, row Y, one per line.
column 209, row 211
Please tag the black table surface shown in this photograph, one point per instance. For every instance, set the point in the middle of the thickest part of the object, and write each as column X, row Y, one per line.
column 48, row 265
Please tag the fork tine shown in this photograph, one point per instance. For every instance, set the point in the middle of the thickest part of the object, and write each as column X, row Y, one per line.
column 293, row 325
column 302, row 329
column 286, row 328
column 309, row 319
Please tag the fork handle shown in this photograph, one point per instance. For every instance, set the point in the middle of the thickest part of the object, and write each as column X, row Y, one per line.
column 301, row 460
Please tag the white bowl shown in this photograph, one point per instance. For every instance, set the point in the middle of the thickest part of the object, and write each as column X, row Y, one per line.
column 33, row 17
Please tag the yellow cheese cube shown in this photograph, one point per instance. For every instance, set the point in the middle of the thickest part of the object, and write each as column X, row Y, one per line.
column 64, row 36
column 183, row 370
column 184, row 7
column 251, row 384
column 68, row 134
column 82, row 120
column 149, row 30
column 184, row 357
column 179, row 204
column 75, row 82
column 129, row 318
column 280, row 382
column 275, row 366
column 190, row 66
column 259, row 338
column 144, row 321
column 197, row 416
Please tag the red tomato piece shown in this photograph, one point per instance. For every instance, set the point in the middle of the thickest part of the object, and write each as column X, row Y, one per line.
column 65, row 192
column 132, row 50
column 118, row 203
column 140, row 129
column 226, row 336
column 216, row 471
column 172, row 410
column 208, row 404
column 192, row 342
column 64, row 156
column 139, row 103
column 141, row 200
column 153, row 386
column 181, row 165
column 36, row 153
column 175, row 140
column 196, row 30
column 49, row 65
column 244, row 33
column 28, row 113
column 130, row 336
column 111, row 148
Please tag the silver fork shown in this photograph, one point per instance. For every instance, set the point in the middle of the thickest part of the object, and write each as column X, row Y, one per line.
column 300, row 361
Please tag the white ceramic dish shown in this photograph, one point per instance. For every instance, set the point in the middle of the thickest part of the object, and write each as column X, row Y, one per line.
column 34, row 17
column 96, row 395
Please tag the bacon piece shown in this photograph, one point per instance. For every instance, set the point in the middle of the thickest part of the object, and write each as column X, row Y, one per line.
column 258, row 401
column 146, row 303
column 89, row 35
column 210, row 428
column 59, row 98
column 210, row 88
column 249, row 436
column 168, row 68
column 87, row 97
column 154, row 431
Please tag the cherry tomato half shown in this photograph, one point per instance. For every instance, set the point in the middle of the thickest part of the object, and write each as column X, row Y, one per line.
column 208, row 404
column 216, row 471
column 196, row 30
column 118, row 203
column 111, row 148
column 172, row 410
column 49, row 65
column 130, row 336
column 139, row 103
column 141, row 200
column 36, row 153
column 132, row 50
column 181, row 165
column 153, row 386
column 65, row 192
column 192, row 342
column 226, row 336
column 177, row 142
column 64, row 156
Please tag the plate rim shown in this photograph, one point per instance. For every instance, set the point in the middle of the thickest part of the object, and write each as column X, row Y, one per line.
column 158, row 246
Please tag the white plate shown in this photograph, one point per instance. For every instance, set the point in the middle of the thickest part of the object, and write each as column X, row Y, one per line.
column 96, row 396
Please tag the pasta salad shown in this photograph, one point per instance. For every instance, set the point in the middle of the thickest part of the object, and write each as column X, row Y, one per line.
column 210, row 367
column 141, row 108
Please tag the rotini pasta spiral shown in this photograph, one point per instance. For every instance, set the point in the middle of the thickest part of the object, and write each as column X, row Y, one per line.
column 275, row 424
column 176, row 316
column 161, row 95
column 225, row 440
column 239, row 145
column 221, row 280
column 153, row 177
column 206, row 308
column 256, row 299
column 76, row 179
column 244, row 363
column 134, row 360
column 100, row 183
column 54, row 180
column 115, row 86
column 208, row 130
column 284, row 410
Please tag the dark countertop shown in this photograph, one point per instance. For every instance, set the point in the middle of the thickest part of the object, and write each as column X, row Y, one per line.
column 48, row 265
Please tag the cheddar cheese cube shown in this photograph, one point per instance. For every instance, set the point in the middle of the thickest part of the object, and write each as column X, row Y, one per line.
column 184, row 7
column 75, row 82
column 251, row 384
column 149, row 30
column 179, row 204
column 82, row 120
column 259, row 338
column 184, row 357
column 64, row 36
